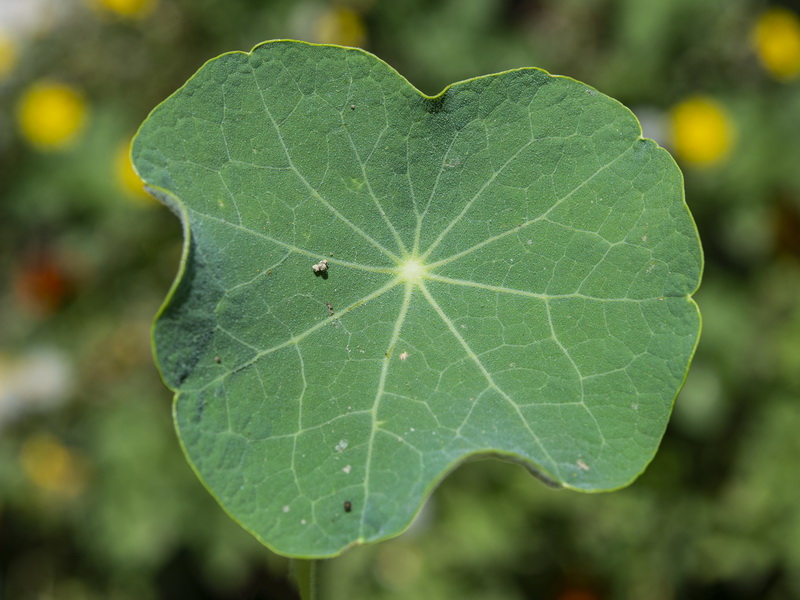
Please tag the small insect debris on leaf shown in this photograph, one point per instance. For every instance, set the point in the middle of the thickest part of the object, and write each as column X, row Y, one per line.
column 321, row 268
column 330, row 308
column 217, row 359
column 348, row 506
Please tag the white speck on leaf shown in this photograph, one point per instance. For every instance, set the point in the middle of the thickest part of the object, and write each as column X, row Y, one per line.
column 320, row 267
column 341, row 446
column 403, row 355
column 285, row 508
column 346, row 469
column 302, row 521
column 582, row 465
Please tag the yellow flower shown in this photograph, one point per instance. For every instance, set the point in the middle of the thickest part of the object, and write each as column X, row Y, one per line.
column 52, row 466
column 342, row 26
column 126, row 177
column 776, row 38
column 51, row 115
column 701, row 131
column 130, row 9
column 8, row 56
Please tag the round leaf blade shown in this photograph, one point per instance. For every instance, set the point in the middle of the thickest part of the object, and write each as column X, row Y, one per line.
column 509, row 272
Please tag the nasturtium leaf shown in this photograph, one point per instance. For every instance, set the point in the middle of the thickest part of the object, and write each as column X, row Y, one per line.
column 509, row 272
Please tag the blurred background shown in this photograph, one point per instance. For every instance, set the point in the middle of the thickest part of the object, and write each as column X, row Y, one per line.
column 96, row 500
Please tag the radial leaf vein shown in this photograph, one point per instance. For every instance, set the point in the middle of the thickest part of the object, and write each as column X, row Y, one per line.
column 487, row 375
column 362, row 165
column 312, row 190
column 471, row 201
column 292, row 247
column 505, row 290
column 421, row 217
column 379, row 392
column 515, row 229
column 296, row 339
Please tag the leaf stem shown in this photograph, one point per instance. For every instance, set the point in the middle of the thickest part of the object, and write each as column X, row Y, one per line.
column 304, row 572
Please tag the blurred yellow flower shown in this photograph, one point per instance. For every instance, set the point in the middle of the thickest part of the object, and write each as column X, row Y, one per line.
column 776, row 38
column 50, row 115
column 131, row 9
column 8, row 56
column 340, row 25
column 52, row 466
column 701, row 131
column 126, row 177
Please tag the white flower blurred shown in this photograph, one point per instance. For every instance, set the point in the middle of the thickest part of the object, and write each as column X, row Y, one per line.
column 37, row 381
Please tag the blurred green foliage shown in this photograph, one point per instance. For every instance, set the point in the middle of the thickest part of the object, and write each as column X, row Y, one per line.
column 96, row 500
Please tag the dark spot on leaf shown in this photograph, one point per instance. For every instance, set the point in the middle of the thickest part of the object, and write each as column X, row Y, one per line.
column 348, row 506
column 330, row 308
column 217, row 359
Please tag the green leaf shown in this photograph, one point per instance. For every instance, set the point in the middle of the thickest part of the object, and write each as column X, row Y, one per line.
column 510, row 270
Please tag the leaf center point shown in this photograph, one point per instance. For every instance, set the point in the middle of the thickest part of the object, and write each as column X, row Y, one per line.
column 411, row 270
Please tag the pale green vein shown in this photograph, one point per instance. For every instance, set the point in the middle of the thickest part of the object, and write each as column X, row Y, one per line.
column 471, row 201
column 412, row 192
column 375, row 426
column 227, row 408
column 312, row 190
column 488, row 376
column 236, row 338
column 264, row 396
column 302, row 371
column 296, row 249
column 517, row 228
column 260, row 275
column 575, row 367
column 230, row 196
column 296, row 339
column 362, row 165
column 323, row 426
column 421, row 217
column 504, row 290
